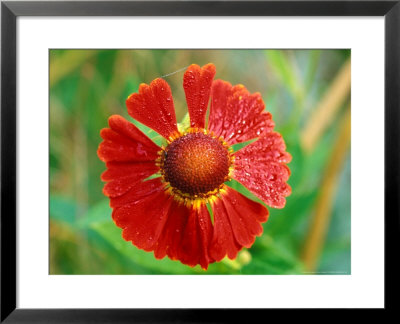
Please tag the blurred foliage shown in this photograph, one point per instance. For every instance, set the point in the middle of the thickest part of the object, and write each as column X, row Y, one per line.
column 87, row 86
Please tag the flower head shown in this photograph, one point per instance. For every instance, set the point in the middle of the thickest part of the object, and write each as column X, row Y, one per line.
column 169, row 214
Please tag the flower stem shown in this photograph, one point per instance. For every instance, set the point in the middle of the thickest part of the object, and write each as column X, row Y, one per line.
column 323, row 210
column 330, row 104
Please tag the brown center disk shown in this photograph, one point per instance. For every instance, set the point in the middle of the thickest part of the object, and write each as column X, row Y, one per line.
column 196, row 163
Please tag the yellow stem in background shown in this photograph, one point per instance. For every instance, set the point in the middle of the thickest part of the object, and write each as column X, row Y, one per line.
column 323, row 209
column 324, row 113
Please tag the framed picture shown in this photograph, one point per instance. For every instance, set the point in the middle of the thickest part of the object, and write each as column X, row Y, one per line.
column 163, row 160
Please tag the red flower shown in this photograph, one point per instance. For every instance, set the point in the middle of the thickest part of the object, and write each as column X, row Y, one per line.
column 168, row 214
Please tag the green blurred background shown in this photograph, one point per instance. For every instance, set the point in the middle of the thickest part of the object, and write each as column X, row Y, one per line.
column 308, row 94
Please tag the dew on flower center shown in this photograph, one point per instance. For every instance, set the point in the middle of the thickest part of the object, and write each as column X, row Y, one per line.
column 195, row 164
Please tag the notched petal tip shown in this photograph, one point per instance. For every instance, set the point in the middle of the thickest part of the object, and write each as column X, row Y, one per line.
column 236, row 114
column 210, row 67
column 153, row 106
column 207, row 67
column 159, row 82
column 123, row 141
column 261, row 168
column 286, row 192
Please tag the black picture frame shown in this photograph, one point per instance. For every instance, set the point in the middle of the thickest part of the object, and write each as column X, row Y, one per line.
column 10, row 10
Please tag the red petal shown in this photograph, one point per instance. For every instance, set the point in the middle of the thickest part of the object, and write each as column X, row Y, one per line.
column 153, row 106
column 123, row 141
column 196, row 237
column 206, row 234
column 124, row 175
column 270, row 148
column 186, row 236
column 197, row 85
column 117, row 170
column 237, row 115
column 171, row 237
column 260, row 167
column 137, row 192
column 153, row 220
column 245, row 216
column 143, row 220
column 124, row 127
column 223, row 242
